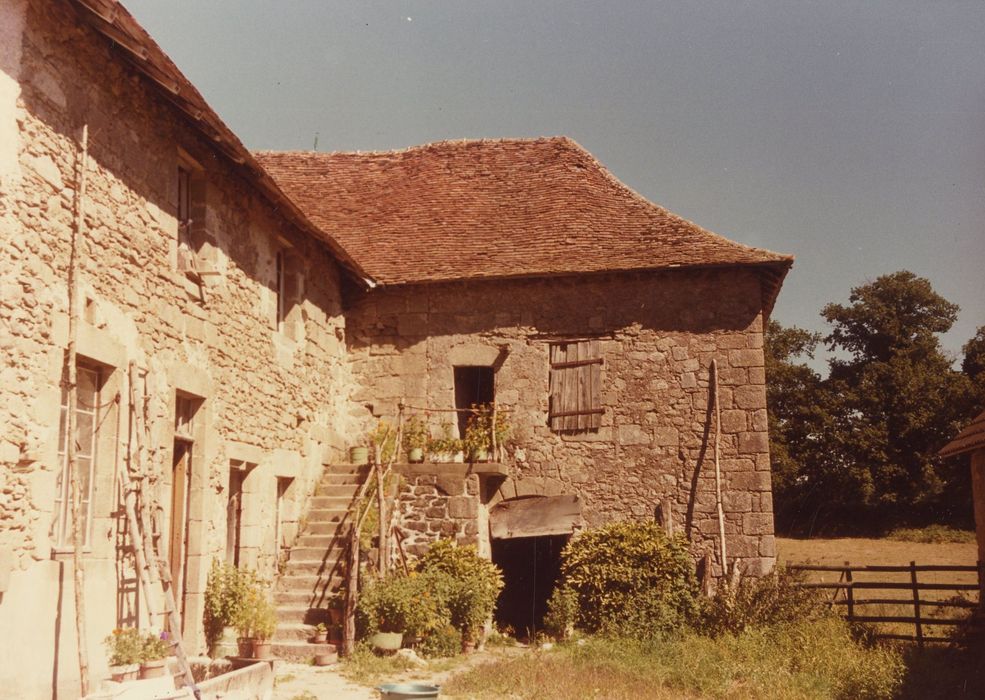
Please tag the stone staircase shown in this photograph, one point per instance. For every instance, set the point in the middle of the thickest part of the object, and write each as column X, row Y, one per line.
column 316, row 568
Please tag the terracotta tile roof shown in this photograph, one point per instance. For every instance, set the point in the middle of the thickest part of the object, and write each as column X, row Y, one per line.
column 971, row 438
column 495, row 208
column 138, row 48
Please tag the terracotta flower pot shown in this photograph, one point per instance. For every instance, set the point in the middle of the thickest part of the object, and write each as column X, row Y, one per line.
column 153, row 668
column 125, row 672
column 262, row 649
column 335, row 615
column 319, row 637
column 244, row 646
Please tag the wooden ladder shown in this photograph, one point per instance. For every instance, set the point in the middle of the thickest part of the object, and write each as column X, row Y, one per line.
column 151, row 567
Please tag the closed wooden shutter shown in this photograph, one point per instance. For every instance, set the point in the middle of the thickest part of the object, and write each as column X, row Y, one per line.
column 576, row 386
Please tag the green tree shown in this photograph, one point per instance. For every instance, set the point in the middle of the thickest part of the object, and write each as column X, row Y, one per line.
column 973, row 367
column 894, row 400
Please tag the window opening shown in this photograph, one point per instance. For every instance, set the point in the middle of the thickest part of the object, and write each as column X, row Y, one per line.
column 474, row 386
column 234, row 512
column 280, row 546
column 88, row 383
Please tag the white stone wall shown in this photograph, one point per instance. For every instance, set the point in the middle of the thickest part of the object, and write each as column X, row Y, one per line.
column 273, row 398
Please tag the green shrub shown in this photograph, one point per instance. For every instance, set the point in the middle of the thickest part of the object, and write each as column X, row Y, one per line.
column 393, row 605
column 632, row 577
column 471, row 591
column 256, row 616
column 154, row 646
column 125, row 646
column 442, row 642
column 932, row 534
column 757, row 602
column 226, row 590
column 562, row 613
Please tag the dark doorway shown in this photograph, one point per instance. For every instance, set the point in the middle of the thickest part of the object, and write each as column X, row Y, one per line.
column 473, row 386
column 531, row 566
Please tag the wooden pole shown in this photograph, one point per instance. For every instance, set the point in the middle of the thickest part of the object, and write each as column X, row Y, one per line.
column 916, row 604
column 141, row 552
column 718, row 470
column 849, row 592
column 78, row 534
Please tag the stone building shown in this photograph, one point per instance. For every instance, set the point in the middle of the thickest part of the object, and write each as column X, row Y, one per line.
column 244, row 318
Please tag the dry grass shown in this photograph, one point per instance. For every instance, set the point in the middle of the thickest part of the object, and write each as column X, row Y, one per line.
column 861, row 551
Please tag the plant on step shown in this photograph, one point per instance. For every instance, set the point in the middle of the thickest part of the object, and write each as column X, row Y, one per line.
column 415, row 437
column 480, row 429
column 155, row 645
column 226, row 590
column 256, row 617
column 445, row 446
column 125, row 646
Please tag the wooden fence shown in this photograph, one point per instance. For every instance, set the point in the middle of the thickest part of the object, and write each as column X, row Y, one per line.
column 876, row 585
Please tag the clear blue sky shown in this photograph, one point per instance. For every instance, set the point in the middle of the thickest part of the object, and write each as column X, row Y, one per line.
column 849, row 133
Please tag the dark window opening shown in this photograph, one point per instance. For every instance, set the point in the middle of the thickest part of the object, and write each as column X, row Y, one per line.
column 531, row 568
column 473, row 386
column 234, row 514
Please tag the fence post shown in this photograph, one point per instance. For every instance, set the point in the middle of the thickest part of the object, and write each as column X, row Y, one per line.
column 850, row 592
column 916, row 604
column 981, row 586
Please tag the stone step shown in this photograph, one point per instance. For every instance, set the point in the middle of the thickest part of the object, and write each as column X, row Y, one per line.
column 326, row 553
column 315, row 566
column 324, row 528
column 343, row 478
column 321, row 540
column 333, row 513
column 300, row 650
column 295, row 599
column 330, row 502
column 346, row 490
column 295, row 631
column 303, row 614
column 309, row 583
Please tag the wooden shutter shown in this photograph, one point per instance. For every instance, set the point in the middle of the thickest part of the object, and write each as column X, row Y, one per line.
column 576, row 386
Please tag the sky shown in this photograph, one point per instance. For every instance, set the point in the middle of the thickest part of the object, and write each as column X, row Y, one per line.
column 850, row 134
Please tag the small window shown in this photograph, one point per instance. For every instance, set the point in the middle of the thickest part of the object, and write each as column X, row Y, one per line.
column 87, row 417
column 289, row 289
column 280, row 545
column 195, row 247
column 234, row 511
column 474, row 386
column 575, row 386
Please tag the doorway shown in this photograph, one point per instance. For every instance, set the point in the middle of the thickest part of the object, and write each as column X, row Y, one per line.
column 474, row 386
column 178, row 536
column 531, row 567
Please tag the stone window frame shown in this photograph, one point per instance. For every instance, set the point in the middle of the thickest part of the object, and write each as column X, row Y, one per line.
column 578, row 411
column 194, row 257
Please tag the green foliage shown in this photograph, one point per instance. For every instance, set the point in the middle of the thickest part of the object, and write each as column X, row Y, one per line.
column 774, row 599
column 562, row 613
column 445, row 443
column 474, row 587
column 479, row 430
column 226, row 590
column 859, row 447
column 816, row 659
column 630, row 576
column 383, row 436
column 415, row 434
column 154, row 646
column 256, row 617
column 125, row 646
column 408, row 604
column 443, row 642
column 932, row 534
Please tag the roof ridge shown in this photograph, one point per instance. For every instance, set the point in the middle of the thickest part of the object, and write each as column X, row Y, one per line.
column 559, row 138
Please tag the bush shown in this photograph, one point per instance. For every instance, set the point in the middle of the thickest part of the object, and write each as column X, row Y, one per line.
column 774, row 599
column 932, row 534
column 226, row 591
column 562, row 613
column 392, row 605
column 442, row 642
column 256, row 616
column 472, row 586
column 630, row 577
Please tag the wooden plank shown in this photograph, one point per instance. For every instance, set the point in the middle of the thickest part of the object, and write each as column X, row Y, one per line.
column 568, row 364
column 584, row 400
column 595, row 372
column 553, row 391
column 918, row 621
column 535, row 517
column 884, row 568
column 894, row 585
column 592, row 412
column 909, row 601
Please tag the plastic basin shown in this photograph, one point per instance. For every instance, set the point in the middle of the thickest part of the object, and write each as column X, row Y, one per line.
column 406, row 691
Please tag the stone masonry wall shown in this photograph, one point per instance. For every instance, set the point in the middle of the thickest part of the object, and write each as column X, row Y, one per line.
column 272, row 398
column 659, row 333
column 437, row 501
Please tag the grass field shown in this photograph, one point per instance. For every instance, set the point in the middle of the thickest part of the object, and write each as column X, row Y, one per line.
column 863, row 551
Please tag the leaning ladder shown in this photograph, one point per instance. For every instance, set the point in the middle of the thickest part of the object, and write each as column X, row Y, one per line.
column 150, row 565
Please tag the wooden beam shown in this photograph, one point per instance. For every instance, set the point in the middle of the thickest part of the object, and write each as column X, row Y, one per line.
column 535, row 517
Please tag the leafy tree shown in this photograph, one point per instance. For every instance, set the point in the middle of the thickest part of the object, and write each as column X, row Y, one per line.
column 973, row 367
column 890, row 402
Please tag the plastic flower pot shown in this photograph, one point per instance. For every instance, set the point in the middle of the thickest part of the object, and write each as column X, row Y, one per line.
column 358, row 455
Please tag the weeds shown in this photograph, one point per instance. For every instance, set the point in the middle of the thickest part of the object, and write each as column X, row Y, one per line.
column 933, row 534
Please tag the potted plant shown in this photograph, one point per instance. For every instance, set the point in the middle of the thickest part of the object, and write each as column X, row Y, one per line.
column 383, row 610
column 155, row 649
column 257, row 623
column 320, row 634
column 125, row 647
column 225, row 591
column 479, row 432
column 445, row 447
column 336, row 605
column 415, row 439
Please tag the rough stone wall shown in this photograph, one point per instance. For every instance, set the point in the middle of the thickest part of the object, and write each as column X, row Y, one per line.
column 437, row 502
column 274, row 399
column 659, row 333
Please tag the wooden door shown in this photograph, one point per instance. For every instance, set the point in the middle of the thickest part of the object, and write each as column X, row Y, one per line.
column 177, row 541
